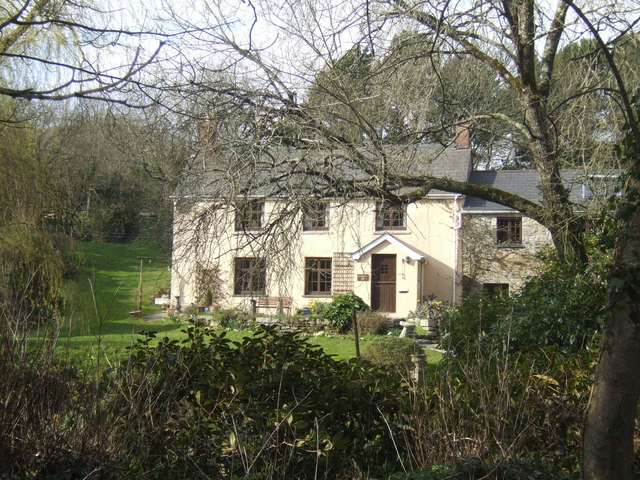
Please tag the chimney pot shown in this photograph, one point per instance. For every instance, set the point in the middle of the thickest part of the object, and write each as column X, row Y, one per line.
column 463, row 135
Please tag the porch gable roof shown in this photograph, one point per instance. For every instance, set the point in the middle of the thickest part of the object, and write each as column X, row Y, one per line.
column 411, row 252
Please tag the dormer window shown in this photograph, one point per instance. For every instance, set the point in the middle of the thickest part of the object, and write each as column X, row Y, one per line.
column 600, row 186
column 249, row 216
column 391, row 217
column 316, row 217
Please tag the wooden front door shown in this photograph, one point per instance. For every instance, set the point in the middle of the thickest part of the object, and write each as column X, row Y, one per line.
column 383, row 282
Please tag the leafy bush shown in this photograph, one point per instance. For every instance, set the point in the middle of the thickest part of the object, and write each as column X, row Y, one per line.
column 232, row 319
column 338, row 312
column 532, row 400
column 33, row 274
column 372, row 323
column 470, row 322
column 391, row 352
column 560, row 306
column 271, row 405
column 512, row 469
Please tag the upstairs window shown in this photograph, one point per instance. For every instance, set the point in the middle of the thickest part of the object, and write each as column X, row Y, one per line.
column 509, row 231
column 249, row 216
column 600, row 186
column 250, row 276
column 317, row 278
column 316, row 217
column 391, row 217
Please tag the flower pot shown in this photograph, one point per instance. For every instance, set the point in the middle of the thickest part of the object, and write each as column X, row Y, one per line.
column 431, row 324
column 214, row 308
column 171, row 311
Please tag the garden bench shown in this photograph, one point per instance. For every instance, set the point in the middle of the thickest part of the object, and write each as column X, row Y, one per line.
column 272, row 302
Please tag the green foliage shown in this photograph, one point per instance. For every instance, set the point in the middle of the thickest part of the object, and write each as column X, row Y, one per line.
column 338, row 312
column 372, row 323
column 561, row 306
column 470, row 322
column 532, row 400
column 232, row 319
column 512, row 469
column 32, row 271
column 347, row 79
column 271, row 405
column 391, row 352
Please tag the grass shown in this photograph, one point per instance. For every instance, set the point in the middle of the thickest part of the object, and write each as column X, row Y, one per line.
column 105, row 289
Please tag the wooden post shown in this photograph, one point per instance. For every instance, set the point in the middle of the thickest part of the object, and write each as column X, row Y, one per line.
column 140, row 285
column 354, row 322
column 140, row 290
column 418, row 369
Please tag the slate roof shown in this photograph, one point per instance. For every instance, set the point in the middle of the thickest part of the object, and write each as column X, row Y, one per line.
column 284, row 172
column 277, row 171
column 523, row 183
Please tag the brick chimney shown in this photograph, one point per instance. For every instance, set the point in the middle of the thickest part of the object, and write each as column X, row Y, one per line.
column 206, row 135
column 463, row 135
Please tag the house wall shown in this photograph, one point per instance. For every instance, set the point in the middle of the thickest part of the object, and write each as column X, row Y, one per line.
column 486, row 262
column 204, row 237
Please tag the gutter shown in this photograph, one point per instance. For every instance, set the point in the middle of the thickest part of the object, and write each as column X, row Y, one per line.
column 457, row 224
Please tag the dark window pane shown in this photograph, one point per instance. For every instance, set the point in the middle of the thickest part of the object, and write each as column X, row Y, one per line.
column 250, row 276
column 317, row 276
column 316, row 217
column 391, row 217
column 509, row 230
column 250, row 216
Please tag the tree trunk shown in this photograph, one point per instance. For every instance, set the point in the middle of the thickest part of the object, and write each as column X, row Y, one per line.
column 564, row 225
column 607, row 450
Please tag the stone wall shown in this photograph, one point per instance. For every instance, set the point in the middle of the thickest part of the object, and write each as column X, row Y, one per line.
column 486, row 262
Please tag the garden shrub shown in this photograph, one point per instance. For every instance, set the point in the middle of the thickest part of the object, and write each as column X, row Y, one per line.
column 372, row 323
column 232, row 319
column 561, row 306
column 271, row 405
column 392, row 353
column 338, row 312
column 531, row 401
column 52, row 427
column 33, row 270
column 474, row 469
column 470, row 322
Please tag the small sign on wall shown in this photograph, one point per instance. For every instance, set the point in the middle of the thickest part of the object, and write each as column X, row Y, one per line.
column 363, row 277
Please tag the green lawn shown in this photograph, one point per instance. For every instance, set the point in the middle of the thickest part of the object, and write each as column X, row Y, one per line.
column 105, row 290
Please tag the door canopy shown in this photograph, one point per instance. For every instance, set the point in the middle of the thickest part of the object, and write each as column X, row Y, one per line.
column 408, row 250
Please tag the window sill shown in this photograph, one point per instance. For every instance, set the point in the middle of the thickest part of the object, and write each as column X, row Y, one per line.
column 394, row 232
column 510, row 245
column 312, row 232
column 249, row 295
column 316, row 295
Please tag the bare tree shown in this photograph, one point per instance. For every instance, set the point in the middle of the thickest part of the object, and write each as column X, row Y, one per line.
column 565, row 106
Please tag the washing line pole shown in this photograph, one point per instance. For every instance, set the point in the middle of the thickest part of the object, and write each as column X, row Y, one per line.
column 142, row 259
